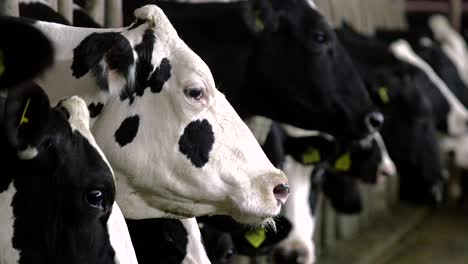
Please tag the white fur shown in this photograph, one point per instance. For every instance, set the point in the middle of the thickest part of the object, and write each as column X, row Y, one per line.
column 154, row 179
column 458, row 115
column 8, row 255
column 28, row 153
column 195, row 250
column 297, row 209
column 387, row 166
column 120, row 237
column 452, row 43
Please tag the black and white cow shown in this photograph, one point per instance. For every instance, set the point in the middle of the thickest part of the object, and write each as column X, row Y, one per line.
column 285, row 63
column 295, row 151
column 402, row 92
column 56, row 189
column 144, row 88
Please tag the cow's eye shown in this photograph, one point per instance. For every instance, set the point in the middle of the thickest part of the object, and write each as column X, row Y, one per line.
column 194, row 93
column 319, row 37
column 95, row 198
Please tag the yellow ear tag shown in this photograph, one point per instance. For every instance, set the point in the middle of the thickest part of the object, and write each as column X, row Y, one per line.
column 343, row 163
column 2, row 64
column 259, row 22
column 24, row 119
column 310, row 156
column 256, row 237
column 383, row 94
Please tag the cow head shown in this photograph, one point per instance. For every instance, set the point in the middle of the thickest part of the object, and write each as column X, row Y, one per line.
column 63, row 183
column 176, row 144
column 311, row 72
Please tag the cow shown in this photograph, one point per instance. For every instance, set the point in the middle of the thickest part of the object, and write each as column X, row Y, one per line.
column 206, row 153
column 402, row 91
column 56, row 185
column 286, row 59
column 295, row 151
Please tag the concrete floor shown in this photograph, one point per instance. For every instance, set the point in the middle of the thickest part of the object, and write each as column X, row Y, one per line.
column 407, row 235
column 442, row 237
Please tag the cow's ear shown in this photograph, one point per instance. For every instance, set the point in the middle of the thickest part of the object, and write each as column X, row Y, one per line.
column 27, row 113
column 18, row 60
column 310, row 150
column 110, row 48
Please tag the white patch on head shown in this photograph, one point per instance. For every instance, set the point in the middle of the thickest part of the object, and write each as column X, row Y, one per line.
column 297, row 209
column 28, row 153
column 453, row 44
column 312, row 4
column 387, row 166
column 120, row 238
column 8, row 254
column 458, row 115
column 79, row 121
column 195, row 250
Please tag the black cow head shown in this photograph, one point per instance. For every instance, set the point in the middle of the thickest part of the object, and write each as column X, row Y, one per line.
column 64, row 187
column 305, row 76
column 403, row 93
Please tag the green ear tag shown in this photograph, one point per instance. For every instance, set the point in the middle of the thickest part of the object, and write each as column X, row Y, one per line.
column 259, row 22
column 256, row 237
column 343, row 163
column 24, row 119
column 383, row 94
column 2, row 64
column 311, row 156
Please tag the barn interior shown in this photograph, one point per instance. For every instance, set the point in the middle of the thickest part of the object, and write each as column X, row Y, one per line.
column 397, row 221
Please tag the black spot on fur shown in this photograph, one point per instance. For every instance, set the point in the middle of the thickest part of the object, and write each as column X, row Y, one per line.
column 160, row 76
column 165, row 239
column 114, row 47
column 95, row 109
column 127, row 130
column 197, row 141
column 144, row 67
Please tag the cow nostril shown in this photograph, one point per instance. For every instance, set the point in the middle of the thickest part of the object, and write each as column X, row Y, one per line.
column 281, row 192
column 374, row 121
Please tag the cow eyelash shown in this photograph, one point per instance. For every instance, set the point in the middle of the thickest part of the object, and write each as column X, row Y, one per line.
column 195, row 93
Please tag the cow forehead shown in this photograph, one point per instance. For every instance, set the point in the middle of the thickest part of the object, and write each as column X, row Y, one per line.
column 79, row 121
column 186, row 64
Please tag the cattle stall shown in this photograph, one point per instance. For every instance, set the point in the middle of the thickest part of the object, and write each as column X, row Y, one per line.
column 368, row 235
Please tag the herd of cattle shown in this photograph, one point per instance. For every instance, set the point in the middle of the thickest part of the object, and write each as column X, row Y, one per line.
column 168, row 141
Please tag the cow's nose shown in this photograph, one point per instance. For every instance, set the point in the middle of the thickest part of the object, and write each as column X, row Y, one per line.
column 374, row 121
column 281, row 192
column 290, row 256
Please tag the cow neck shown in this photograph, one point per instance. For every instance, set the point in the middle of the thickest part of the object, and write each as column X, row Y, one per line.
column 297, row 208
